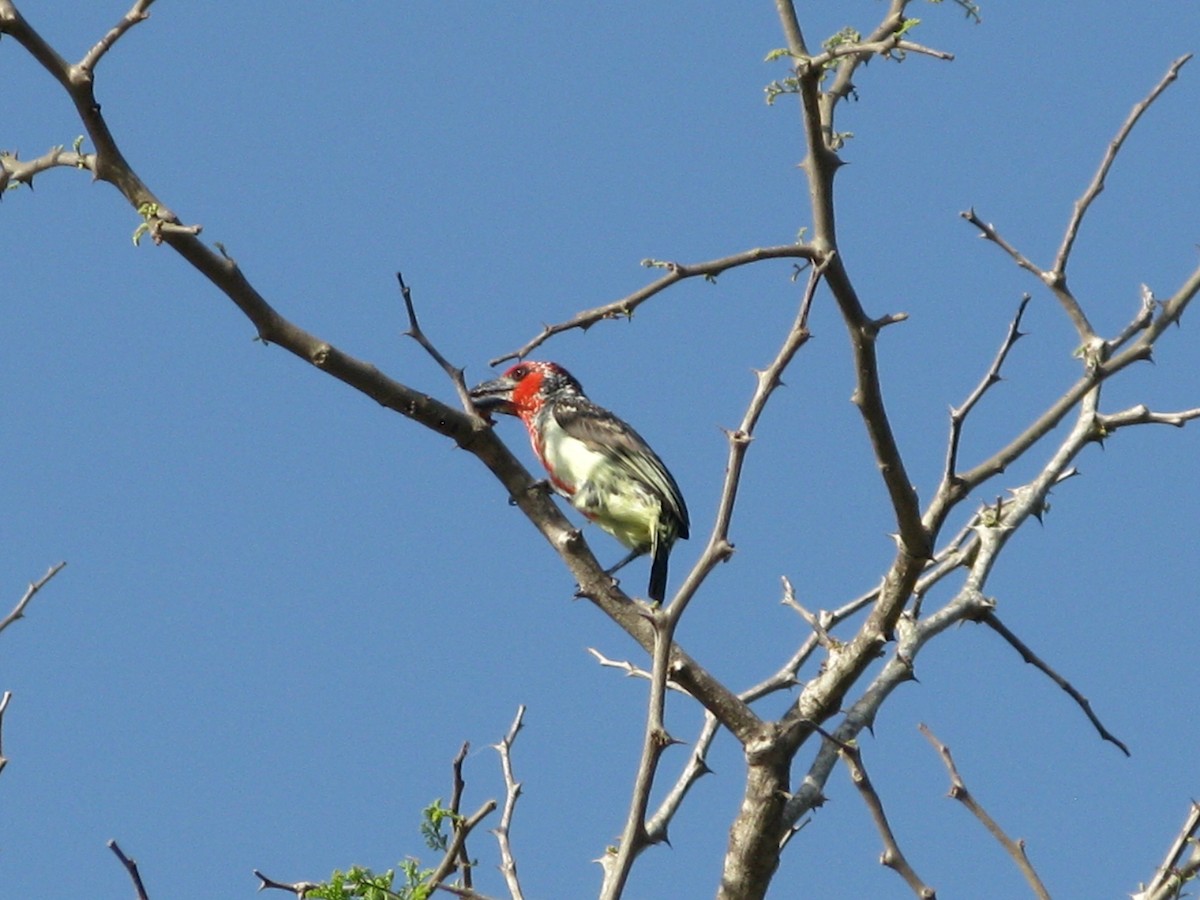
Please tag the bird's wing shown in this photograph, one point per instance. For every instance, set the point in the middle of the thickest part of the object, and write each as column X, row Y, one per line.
column 603, row 432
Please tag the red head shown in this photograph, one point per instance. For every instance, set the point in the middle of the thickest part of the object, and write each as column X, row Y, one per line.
column 523, row 389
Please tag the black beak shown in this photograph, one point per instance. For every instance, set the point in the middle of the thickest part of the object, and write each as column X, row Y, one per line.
column 494, row 395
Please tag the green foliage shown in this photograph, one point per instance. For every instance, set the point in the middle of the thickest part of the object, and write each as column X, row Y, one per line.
column 360, row 882
column 408, row 881
column 432, row 818
column 842, row 38
column 147, row 211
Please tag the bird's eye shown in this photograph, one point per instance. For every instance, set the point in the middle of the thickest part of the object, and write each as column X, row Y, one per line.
column 520, row 372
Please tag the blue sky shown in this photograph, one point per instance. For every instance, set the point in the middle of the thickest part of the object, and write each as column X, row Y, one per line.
column 285, row 608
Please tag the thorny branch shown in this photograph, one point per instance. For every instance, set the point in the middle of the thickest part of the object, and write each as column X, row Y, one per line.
column 959, row 792
column 512, row 790
column 18, row 611
column 718, row 549
column 655, row 740
column 959, row 414
column 676, row 272
column 1055, row 278
column 454, row 373
column 893, row 857
column 990, row 619
column 1058, row 271
column 1170, row 877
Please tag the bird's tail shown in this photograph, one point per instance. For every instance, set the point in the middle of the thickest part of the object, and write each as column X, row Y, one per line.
column 658, row 571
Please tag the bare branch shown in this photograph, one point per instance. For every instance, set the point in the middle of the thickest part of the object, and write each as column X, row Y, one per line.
column 132, row 868
column 14, row 171
column 459, row 785
column 299, row 888
column 958, row 415
column 892, row 857
column 959, row 792
column 512, row 790
column 694, row 769
column 1059, row 269
column 718, row 549
column 454, row 373
column 18, row 611
column 1141, row 415
column 1140, row 322
column 634, row 838
column 4, row 701
column 676, row 272
column 993, row 622
column 1171, row 876
column 138, row 13
column 1050, row 278
column 817, row 623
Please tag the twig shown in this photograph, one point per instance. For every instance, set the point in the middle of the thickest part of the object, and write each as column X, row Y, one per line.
column 1141, row 415
column 718, row 549
column 464, row 859
column 958, row 415
column 1140, row 321
column 14, row 171
column 138, row 13
column 817, row 623
column 694, row 769
column 1093, row 190
column 462, row 828
column 18, row 611
column 1170, row 877
column 676, row 272
column 299, row 888
column 992, row 621
column 892, row 857
column 1053, row 280
column 958, row 791
column 132, row 868
column 634, row 838
column 414, row 331
column 512, row 790
column 4, row 700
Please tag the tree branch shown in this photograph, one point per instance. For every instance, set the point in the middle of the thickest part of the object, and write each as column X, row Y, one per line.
column 655, row 740
column 1059, row 269
column 990, row 619
column 893, row 857
column 958, row 415
column 459, row 785
column 512, row 790
column 462, row 828
column 139, row 12
column 718, row 548
column 959, row 792
column 1171, row 876
column 18, row 611
column 131, row 867
column 676, row 272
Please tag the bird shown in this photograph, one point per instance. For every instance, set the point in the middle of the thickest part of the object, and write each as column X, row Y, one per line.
column 604, row 468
